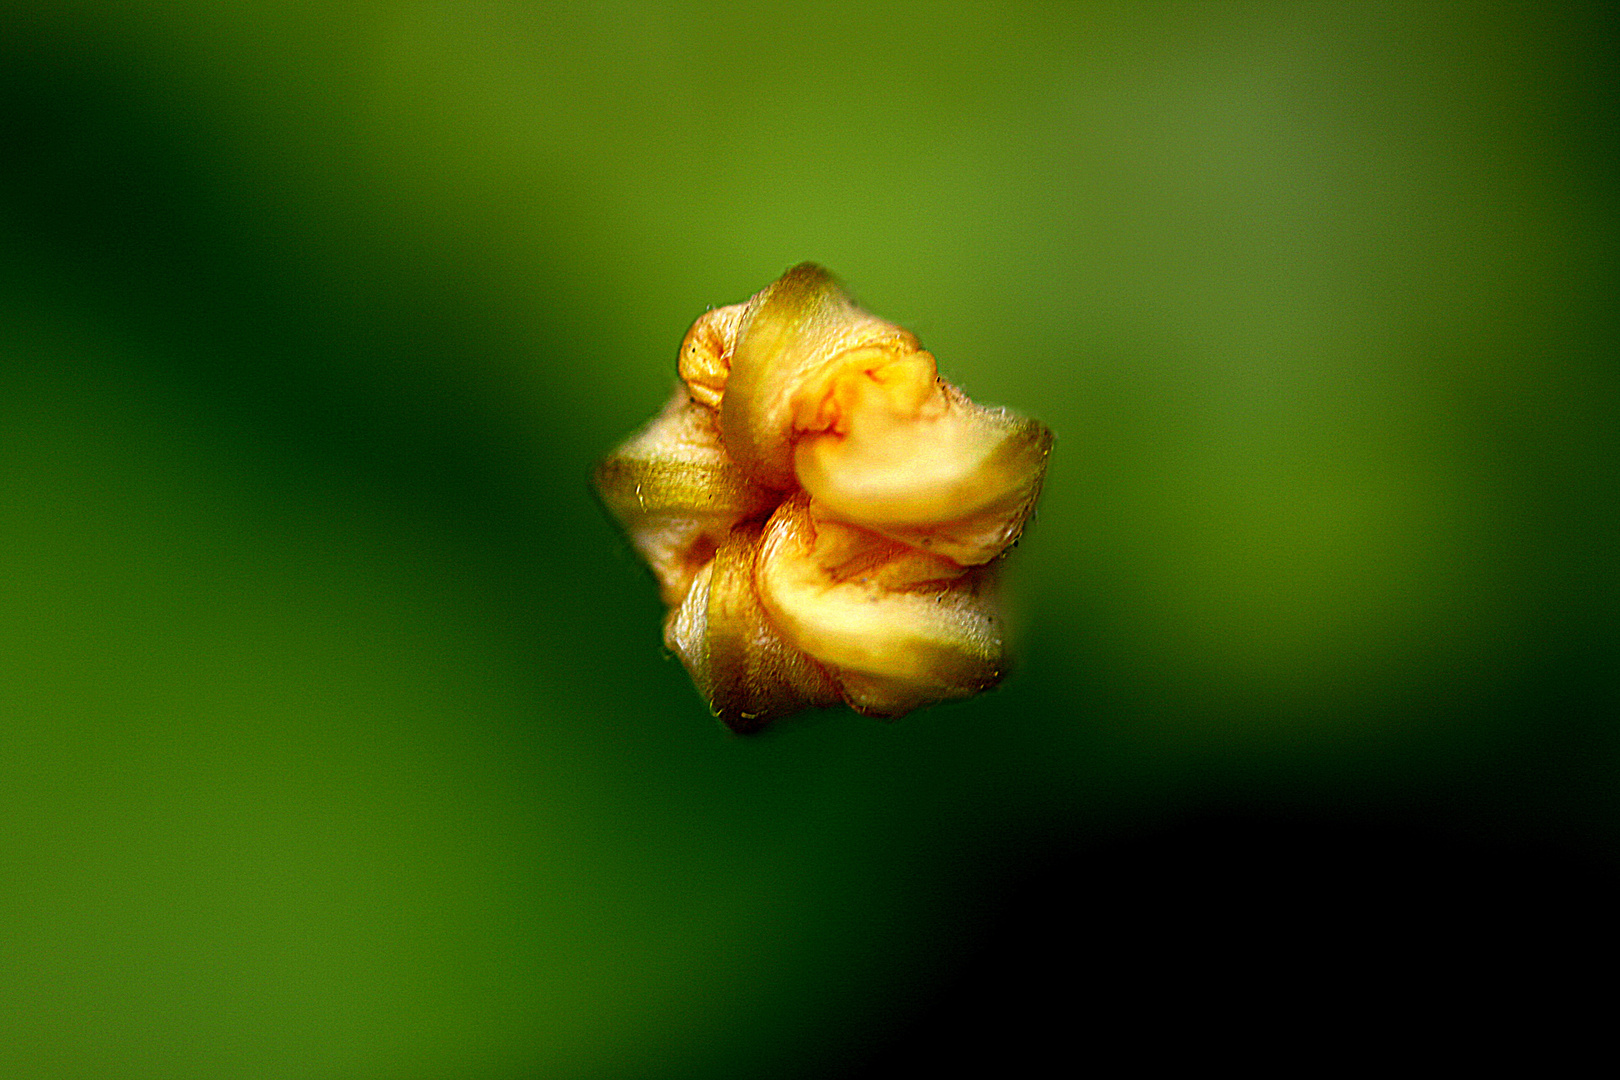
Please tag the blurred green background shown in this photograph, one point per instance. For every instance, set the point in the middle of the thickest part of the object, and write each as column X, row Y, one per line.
column 336, row 738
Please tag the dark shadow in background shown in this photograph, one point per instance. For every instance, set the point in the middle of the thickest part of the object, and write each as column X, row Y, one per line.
column 109, row 194
column 111, row 205
column 1237, row 930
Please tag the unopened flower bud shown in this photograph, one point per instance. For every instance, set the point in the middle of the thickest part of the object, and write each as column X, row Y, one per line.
column 823, row 512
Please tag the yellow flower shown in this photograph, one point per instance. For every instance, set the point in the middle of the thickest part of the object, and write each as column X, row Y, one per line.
column 823, row 512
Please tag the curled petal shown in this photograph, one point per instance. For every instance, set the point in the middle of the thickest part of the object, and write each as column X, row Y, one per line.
column 749, row 674
column 900, row 627
column 817, row 393
column 944, row 474
column 791, row 340
column 705, row 361
column 677, row 493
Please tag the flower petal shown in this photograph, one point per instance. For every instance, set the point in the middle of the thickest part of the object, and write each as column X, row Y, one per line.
column 900, row 627
column 677, row 493
column 705, row 358
column 946, row 475
column 748, row 673
column 791, row 340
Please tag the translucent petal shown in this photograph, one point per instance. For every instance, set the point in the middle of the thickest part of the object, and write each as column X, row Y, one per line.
column 948, row 476
column 899, row 626
column 739, row 662
column 677, row 493
column 791, row 341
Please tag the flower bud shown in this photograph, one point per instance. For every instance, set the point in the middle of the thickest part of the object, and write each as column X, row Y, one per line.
column 823, row 512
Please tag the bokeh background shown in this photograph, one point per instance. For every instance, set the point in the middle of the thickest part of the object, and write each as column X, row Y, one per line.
column 336, row 738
